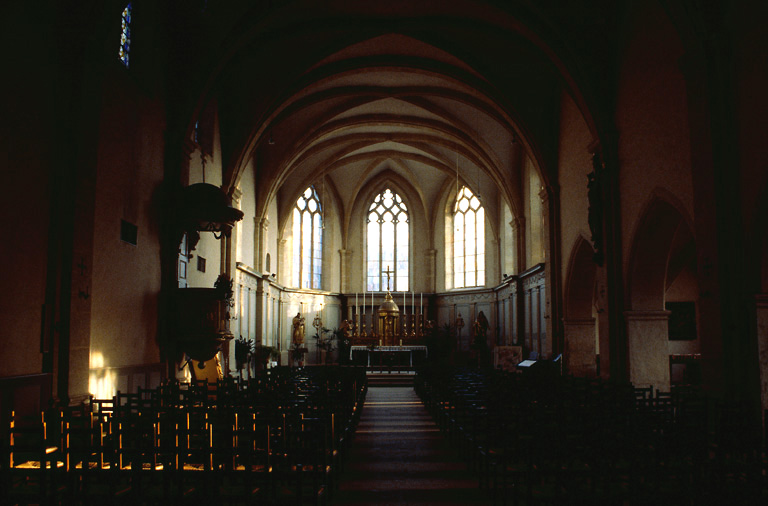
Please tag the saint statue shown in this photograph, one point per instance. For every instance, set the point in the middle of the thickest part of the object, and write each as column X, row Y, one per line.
column 298, row 329
column 480, row 328
column 346, row 329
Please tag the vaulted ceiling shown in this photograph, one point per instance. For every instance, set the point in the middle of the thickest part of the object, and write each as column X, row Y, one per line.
column 347, row 91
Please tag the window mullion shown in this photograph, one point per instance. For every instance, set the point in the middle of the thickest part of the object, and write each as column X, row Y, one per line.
column 380, row 221
column 301, row 249
column 311, row 272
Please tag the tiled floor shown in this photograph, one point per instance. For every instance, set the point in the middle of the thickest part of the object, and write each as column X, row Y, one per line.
column 399, row 456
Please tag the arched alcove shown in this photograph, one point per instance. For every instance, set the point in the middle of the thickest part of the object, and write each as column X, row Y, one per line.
column 662, row 251
column 579, row 322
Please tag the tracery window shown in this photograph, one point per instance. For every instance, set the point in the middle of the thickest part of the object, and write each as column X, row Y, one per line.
column 125, row 36
column 387, row 243
column 308, row 240
column 468, row 241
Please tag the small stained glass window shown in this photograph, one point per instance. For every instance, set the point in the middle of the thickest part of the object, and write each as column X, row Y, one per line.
column 125, row 36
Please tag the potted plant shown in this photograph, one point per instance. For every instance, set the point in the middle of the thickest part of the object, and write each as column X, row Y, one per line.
column 296, row 352
column 262, row 354
column 325, row 342
column 243, row 354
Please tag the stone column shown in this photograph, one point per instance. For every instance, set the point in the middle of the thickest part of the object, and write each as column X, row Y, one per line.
column 580, row 347
column 518, row 232
column 261, row 240
column 282, row 263
column 234, row 250
column 546, row 321
column 647, row 339
column 431, row 277
column 761, row 311
column 344, row 255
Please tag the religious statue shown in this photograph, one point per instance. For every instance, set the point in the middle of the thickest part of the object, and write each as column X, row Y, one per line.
column 346, row 328
column 459, row 326
column 298, row 329
column 480, row 328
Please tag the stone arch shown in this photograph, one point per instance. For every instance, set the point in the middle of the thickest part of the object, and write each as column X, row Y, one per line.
column 661, row 237
column 579, row 322
column 580, row 281
column 652, row 245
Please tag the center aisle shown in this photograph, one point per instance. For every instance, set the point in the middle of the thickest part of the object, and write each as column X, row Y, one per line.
column 399, row 456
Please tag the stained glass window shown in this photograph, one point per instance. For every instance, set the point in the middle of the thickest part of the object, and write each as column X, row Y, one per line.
column 468, row 241
column 125, row 36
column 387, row 243
column 308, row 240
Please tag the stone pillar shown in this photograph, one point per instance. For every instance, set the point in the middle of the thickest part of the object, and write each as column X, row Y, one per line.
column 260, row 311
column 234, row 251
column 514, row 317
column 344, row 255
column 647, row 339
column 761, row 311
column 518, row 231
column 261, row 240
column 431, row 278
column 580, row 347
column 283, row 263
column 603, row 323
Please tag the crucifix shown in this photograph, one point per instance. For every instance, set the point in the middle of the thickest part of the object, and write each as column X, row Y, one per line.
column 388, row 272
column 82, row 266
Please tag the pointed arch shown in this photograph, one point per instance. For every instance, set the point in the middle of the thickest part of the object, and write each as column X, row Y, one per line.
column 387, row 242
column 307, row 254
column 580, row 281
column 468, row 226
column 653, row 244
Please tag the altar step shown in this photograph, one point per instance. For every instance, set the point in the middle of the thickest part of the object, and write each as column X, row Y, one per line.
column 390, row 378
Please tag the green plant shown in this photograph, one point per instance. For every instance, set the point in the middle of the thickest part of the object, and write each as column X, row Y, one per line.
column 327, row 340
column 243, row 351
column 263, row 353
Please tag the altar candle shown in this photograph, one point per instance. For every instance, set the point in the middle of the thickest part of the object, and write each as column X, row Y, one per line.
column 355, row 302
column 404, row 302
column 413, row 301
column 421, row 303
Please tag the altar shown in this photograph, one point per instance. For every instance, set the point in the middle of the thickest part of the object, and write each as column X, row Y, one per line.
column 383, row 356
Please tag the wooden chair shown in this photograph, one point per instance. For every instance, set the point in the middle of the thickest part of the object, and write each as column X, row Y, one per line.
column 34, row 466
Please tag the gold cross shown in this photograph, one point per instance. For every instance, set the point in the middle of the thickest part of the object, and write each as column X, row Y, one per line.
column 388, row 272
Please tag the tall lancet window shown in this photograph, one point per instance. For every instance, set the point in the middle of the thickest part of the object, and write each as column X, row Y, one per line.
column 308, row 240
column 387, row 243
column 125, row 36
column 468, row 241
